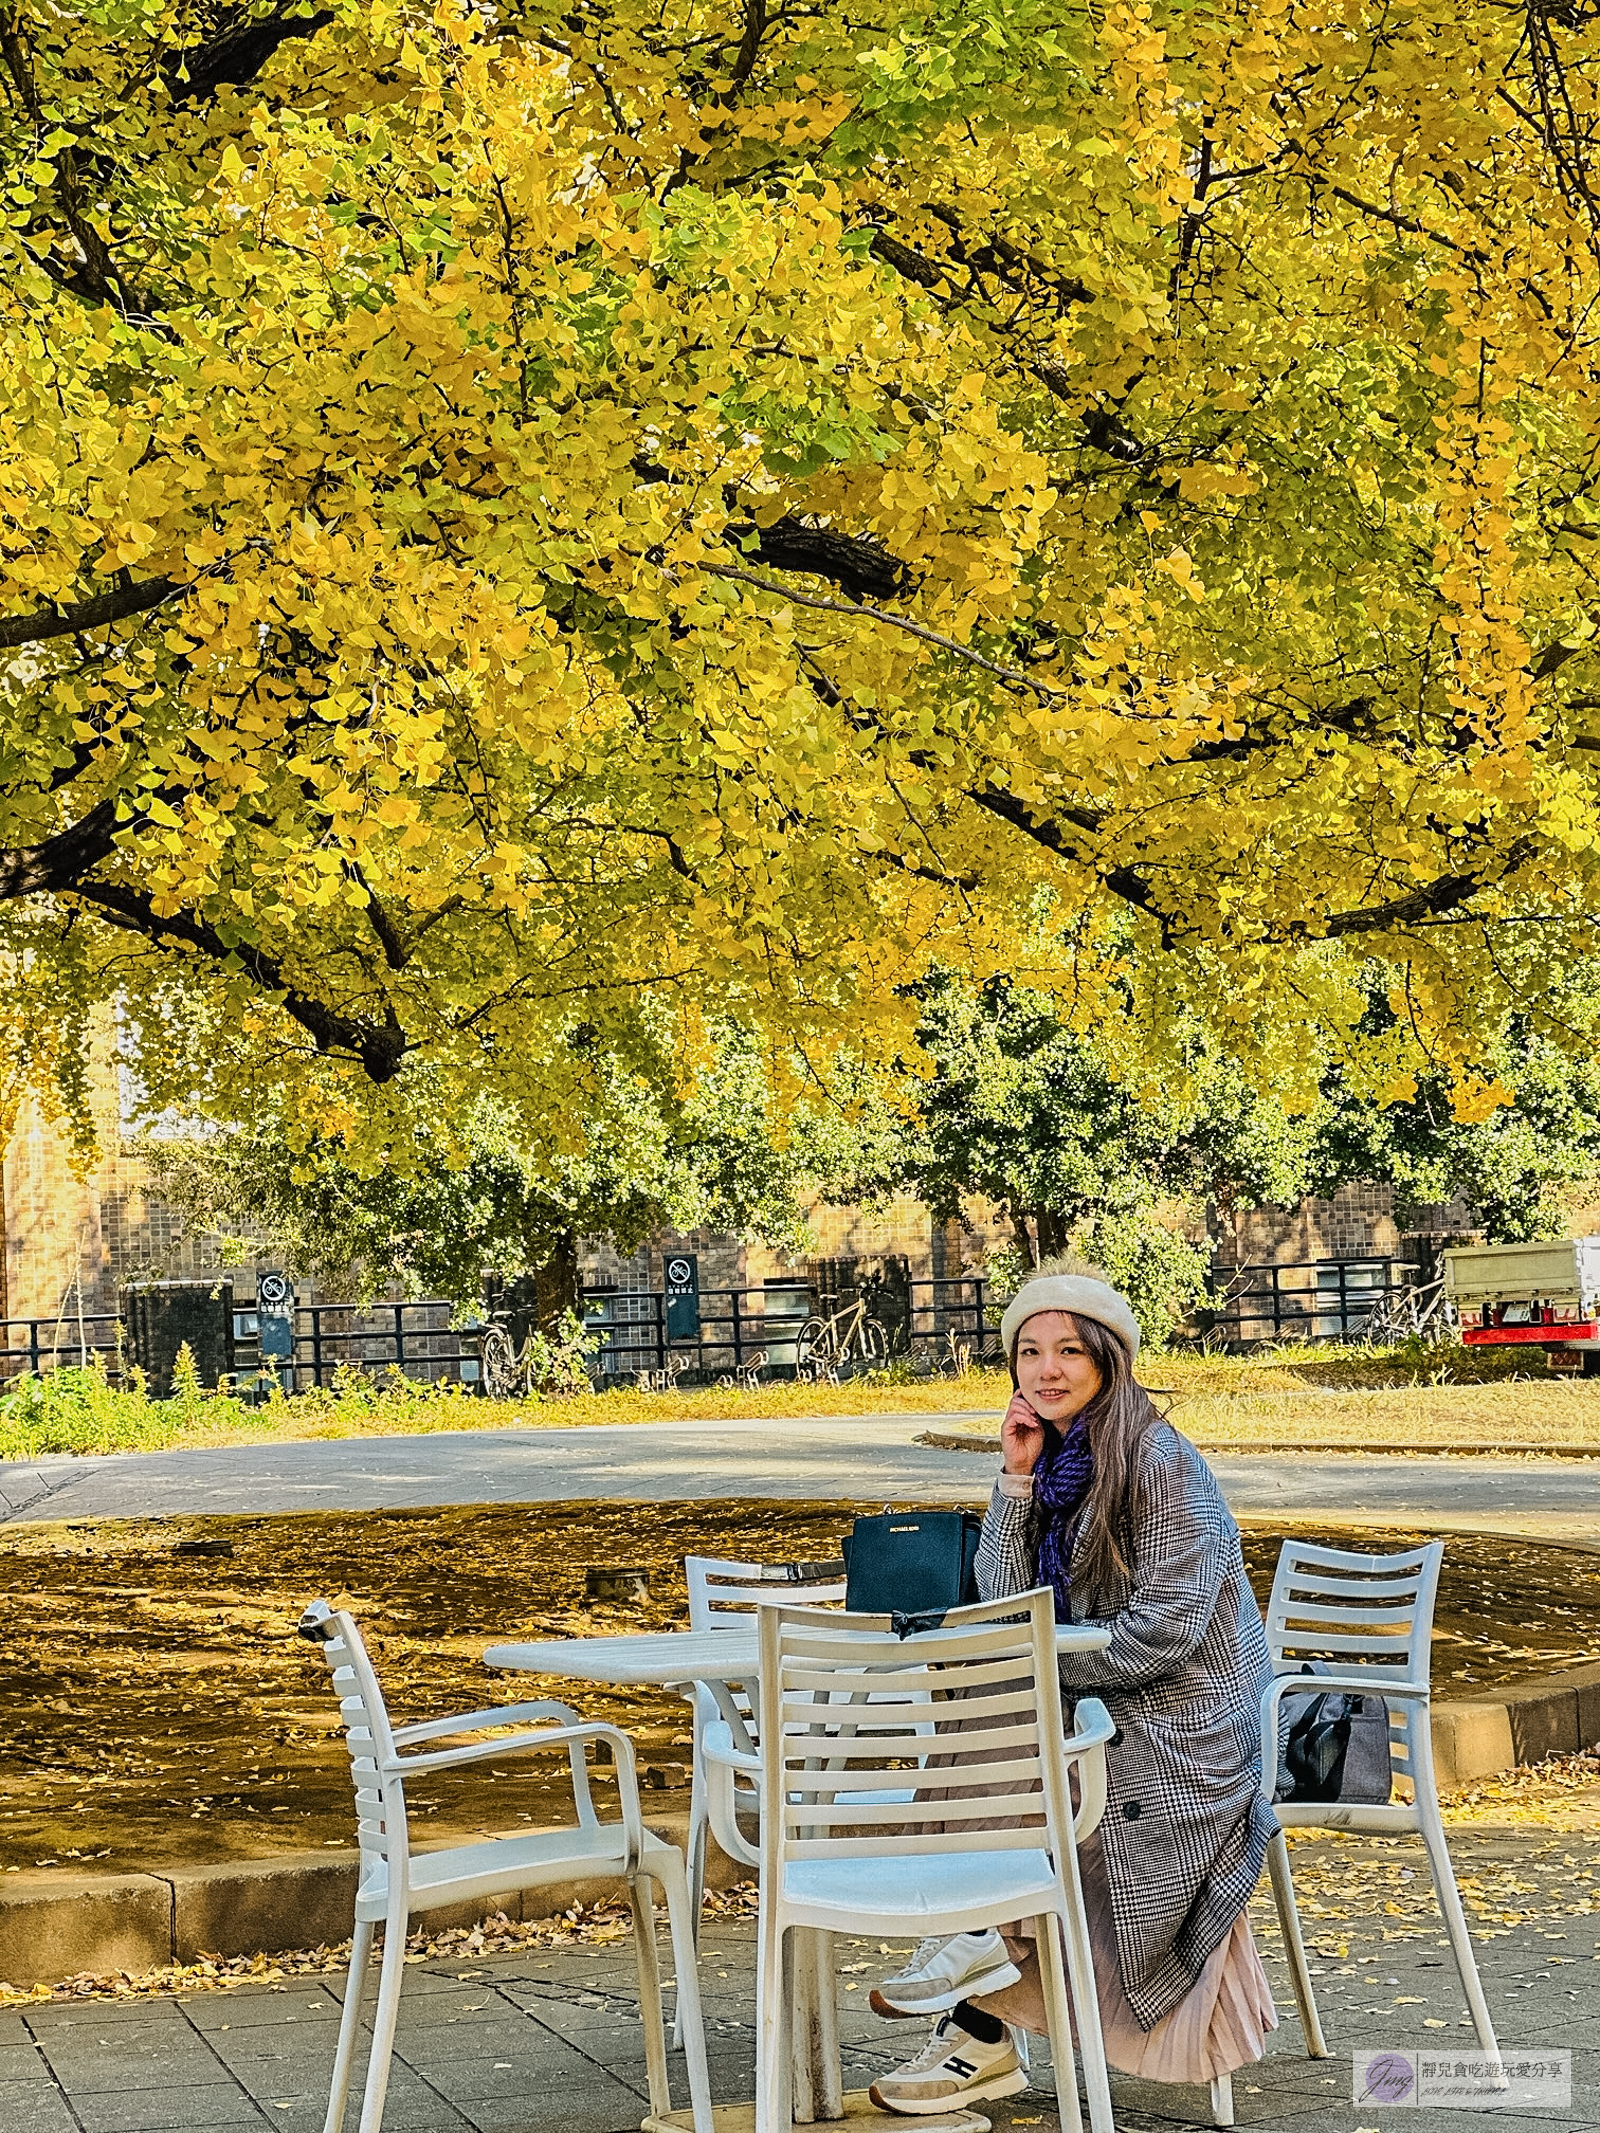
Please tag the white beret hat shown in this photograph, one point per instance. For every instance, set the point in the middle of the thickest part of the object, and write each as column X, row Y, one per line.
column 1076, row 1293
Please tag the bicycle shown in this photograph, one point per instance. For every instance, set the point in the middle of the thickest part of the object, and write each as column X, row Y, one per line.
column 824, row 1347
column 506, row 1373
column 550, row 1363
column 1410, row 1312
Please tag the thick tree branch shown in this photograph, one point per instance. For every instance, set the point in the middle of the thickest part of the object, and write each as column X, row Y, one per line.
column 95, row 276
column 1123, row 882
column 46, row 622
column 854, row 563
column 63, row 865
column 379, row 1046
column 907, row 262
column 396, row 953
column 1103, row 428
column 1553, row 658
column 1448, row 893
column 56, row 864
column 755, row 28
column 236, row 53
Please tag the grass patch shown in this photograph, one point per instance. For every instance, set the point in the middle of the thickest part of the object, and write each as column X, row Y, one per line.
column 1449, row 1399
column 75, row 1410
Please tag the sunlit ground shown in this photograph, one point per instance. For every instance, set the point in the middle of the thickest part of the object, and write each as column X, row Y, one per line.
column 162, row 1710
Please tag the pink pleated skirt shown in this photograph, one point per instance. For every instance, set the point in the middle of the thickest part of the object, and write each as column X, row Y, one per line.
column 1221, row 2024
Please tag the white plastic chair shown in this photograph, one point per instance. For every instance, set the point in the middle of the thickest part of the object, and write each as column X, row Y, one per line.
column 718, row 1592
column 395, row 1882
column 843, row 1849
column 1371, row 1616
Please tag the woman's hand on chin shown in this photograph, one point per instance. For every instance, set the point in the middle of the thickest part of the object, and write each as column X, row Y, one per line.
column 1021, row 1437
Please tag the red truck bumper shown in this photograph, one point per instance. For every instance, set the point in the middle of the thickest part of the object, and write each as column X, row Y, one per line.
column 1553, row 1336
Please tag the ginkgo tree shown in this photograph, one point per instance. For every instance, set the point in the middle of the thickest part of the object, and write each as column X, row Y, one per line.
column 526, row 529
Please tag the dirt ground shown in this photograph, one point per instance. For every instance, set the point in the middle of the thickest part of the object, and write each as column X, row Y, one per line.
column 162, row 1710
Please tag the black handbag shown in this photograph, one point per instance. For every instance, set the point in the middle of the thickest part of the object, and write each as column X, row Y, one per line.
column 912, row 1563
column 1335, row 1747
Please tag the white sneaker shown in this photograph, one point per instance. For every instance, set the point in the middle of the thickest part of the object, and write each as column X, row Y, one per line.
column 945, row 1972
column 951, row 2068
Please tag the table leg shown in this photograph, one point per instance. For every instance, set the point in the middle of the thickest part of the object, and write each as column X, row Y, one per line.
column 828, row 2079
column 818, row 2077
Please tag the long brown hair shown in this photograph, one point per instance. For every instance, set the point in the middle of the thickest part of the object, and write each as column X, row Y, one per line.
column 1116, row 1418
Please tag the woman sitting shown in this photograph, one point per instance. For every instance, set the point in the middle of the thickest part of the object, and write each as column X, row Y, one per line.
column 1101, row 1499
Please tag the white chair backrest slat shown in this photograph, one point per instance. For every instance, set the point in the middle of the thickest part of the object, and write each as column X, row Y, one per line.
column 1300, row 1614
column 1407, row 1562
column 719, row 1588
column 369, row 1739
column 819, row 1754
column 1374, row 1589
column 1334, row 1604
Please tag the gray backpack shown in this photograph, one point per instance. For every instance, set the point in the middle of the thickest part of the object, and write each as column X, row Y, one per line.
column 1333, row 1747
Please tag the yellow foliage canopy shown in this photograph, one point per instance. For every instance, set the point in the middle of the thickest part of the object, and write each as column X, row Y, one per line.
column 520, row 530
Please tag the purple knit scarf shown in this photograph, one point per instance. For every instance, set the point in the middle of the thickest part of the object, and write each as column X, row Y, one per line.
column 1061, row 1481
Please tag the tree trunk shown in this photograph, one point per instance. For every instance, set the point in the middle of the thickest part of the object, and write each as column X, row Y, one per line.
column 1052, row 1231
column 555, row 1284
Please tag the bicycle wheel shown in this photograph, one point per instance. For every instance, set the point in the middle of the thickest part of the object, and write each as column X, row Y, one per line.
column 873, row 1342
column 813, row 1346
column 500, row 1373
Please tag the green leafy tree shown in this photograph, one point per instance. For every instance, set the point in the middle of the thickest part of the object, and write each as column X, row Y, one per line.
column 1515, row 1169
column 1086, row 1152
column 466, row 1199
column 1082, row 1151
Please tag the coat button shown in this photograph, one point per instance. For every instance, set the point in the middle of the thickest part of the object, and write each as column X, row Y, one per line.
column 1131, row 1810
column 1116, row 1739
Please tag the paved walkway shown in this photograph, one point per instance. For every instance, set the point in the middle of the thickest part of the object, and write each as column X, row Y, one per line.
column 550, row 2041
column 826, row 1457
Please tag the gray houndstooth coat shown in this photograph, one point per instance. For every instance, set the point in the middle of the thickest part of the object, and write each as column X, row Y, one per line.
column 1186, row 1829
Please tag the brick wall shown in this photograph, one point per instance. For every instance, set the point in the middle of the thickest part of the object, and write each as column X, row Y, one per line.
column 103, row 1228
column 901, row 1228
column 1358, row 1222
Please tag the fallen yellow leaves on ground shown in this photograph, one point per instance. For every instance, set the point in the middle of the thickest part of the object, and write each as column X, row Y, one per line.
column 162, row 1711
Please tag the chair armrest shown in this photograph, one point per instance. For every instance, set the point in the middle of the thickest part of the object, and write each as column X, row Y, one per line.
column 718, row 1748
column 1351, row 1681
column 505, row 1714
column 572, row 1738
column 508, row 1714
column 1085, row 1745
column 1357, row 1681
column 723, row 1763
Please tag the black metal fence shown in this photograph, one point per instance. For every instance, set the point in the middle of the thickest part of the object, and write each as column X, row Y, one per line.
column 417, row 1339
column 730, row 1328
column 1307, row 1300
column 938, row 1322
column 29, row 1345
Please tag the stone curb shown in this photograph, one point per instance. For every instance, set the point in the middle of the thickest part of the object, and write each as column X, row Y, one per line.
column 56, row 1925
column 1478, row 1736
